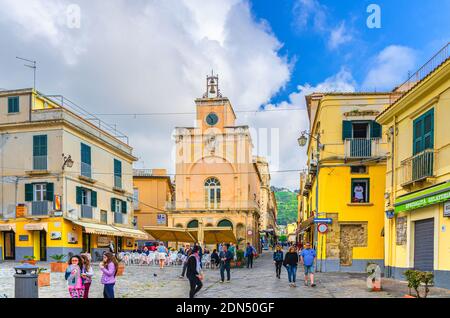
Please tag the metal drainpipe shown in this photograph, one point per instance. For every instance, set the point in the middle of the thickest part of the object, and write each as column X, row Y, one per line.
column 392, row 193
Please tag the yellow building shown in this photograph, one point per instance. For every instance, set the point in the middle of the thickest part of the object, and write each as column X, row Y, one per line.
column 66, row 184
column 345, row 179
column 217, row 181
column 291, row 229
column 305, row 217
column 153, row 192
column 417, row 226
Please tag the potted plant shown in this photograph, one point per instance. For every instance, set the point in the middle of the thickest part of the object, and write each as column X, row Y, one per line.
column 43, row 277
column 29, row 259
column 415, row 279
column 59, row 266
column 240, row 260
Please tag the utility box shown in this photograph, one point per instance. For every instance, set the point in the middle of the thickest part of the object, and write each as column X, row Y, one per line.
column 26, row 281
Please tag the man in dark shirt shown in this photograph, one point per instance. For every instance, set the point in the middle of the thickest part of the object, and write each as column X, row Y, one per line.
column 193, row 272
column 225, row 258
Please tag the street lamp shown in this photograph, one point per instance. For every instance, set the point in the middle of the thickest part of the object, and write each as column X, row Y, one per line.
column 302, row 140
column 67, row 161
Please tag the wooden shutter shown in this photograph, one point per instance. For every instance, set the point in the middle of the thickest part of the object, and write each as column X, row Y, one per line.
column 94, row 199
column 50, row 191
column 124, row 206
column 79, row 195
column 40, row 145
column 375, row 130
column 113, row 205
column 28, row 192
column 347, row 129
column 85, row 154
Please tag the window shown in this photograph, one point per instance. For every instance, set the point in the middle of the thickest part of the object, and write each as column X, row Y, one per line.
column 118, row 206
column 40, row 192
column 136, row 198
column 358, row 169
column 40, row 152
column 225, row 223
column 13, row 104
column 360, row 130
column 360, row 191
column 86, row 197
column 85, row 160
column 192, row 224
column 212, row 193
column 104, row 216
column 117, row 173
column 424, row 132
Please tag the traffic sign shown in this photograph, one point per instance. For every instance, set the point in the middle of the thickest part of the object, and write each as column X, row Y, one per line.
column 322, row 228
column 325, row 220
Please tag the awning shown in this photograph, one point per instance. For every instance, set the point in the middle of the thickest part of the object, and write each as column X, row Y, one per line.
column 172, row 234
column 36, row 227
column 132, row 233
column 420, row 199
column 305, row 224
column 215, row 235
column 100, row 229
column 7, row 227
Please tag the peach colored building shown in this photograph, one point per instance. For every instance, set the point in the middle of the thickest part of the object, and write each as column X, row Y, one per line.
column 217, row 179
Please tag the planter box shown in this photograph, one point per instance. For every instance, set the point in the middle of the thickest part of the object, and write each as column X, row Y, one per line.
column 44, row 279
column 121, row 269
column 31, row 262
column 58, row 267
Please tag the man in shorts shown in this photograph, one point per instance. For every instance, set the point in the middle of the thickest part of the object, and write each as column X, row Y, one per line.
column 308, row 255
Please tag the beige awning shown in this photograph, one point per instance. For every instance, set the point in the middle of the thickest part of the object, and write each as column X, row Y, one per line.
column 132, row 233
column 36, row 227
column 100, row 229
column 7, row 227
column 304, row 225
column 172, row 234
column 215, row 235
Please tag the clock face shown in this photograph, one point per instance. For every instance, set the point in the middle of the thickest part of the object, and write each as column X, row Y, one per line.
column 212, row 119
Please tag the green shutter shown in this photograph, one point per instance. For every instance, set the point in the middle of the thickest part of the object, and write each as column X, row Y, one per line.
column 117, row 167
column 94, row 199
column 13, row 104
column 113, row 204
column 28, row 192
column 85, row 154
column 375, row 130
column 40, row 145
column 347, row 129
column 124, row 206
column 423, row 132
column 50, row 191
column 79, row 195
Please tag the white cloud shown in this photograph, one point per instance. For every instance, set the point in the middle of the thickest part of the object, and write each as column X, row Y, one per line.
column 338, row 36
column 312, row 15
column 390, row 68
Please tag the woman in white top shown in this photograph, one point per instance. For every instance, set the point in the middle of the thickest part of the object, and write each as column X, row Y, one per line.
column 162, row 252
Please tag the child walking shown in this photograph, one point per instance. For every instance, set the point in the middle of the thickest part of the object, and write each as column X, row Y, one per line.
column 74, row 278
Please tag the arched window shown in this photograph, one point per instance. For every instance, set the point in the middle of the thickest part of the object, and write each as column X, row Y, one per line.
column 212, row 193
column 225, row 223
column 192, row 224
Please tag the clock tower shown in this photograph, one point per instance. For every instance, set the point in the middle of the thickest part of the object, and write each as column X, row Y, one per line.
column 214, row 111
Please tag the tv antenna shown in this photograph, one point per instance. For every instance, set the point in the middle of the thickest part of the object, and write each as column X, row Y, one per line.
column 33, row 66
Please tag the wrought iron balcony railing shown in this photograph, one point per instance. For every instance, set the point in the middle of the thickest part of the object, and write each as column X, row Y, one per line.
column 363, row 148
column 418, row 167
column 40, row 208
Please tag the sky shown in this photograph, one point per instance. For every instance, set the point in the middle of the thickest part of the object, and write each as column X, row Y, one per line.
column 151, row 56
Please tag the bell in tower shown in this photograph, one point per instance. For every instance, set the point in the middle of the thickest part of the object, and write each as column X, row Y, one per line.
column 212, row 86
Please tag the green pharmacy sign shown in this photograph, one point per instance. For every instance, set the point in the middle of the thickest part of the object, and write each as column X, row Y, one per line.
column 430, row 196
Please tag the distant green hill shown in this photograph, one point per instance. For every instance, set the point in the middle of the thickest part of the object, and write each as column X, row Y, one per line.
column 287, row 206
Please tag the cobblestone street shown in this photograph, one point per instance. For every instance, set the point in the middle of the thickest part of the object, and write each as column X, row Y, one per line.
column 259, row 282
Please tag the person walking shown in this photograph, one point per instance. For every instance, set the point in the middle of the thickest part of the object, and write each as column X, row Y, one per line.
column 185, row 253
column 109, row 267
column 291, row 262
column 162, row 252
column 87, row 273
column 232, row 250
column 249, row 254
column 278, row 260
column 215, row 258
column 193, row 272
column 74, row 278
column 225, row 258
column 308, row 255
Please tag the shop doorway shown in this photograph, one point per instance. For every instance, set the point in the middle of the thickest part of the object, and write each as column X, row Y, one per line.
column 424, row 245
column 9, row 244
column 43, row 245
column 119, row 241
column 86, row 243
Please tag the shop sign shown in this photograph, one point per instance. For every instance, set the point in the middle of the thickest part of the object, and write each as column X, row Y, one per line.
column 55, row 235
column 102, row 241
column 422, row 202
column 447, row 209
column 23, row 237
column 249, row 232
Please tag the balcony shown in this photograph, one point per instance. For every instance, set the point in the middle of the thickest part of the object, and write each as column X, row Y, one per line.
column 40, row 208
column 118, row 218
column 360, row 148
column 220, row 206
column 418, row 168
column 86, row 212
column 40, row 163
